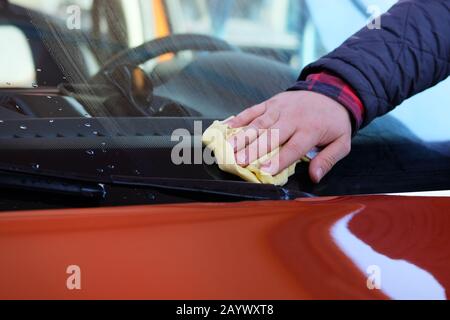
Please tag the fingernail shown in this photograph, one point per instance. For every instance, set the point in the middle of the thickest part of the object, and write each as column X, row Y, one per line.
column 228, row 119
column 232, row 143
column 230, row 123
column 241, row 158
column 319, row 174
column 267, row 167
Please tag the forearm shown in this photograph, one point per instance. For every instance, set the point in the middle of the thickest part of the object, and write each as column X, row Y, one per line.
column 410, row 53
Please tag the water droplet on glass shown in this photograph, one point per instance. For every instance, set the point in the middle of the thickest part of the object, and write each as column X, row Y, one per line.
column 90, row 152
column 111, row 166
column 60, row 109
column 1, row 121
column 95, row 133
column 100, row 170
column 39, row 70
column 23, row 127
column 51, row 121
column 137, row 172
column 88, row 125
column 49, row 97
column 8, row 83
column 35, row 85
column 35, row 166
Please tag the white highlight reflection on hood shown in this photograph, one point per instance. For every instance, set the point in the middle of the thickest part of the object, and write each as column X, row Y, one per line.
column 400, row 279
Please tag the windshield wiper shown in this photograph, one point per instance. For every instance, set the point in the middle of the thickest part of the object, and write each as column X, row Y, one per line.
column 87, row 187
column 229, row 189
column 41, row 183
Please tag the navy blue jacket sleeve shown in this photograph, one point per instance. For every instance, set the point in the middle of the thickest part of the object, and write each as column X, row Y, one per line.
column 410, row 53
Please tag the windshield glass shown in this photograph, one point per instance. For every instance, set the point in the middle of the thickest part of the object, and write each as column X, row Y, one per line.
column 67, row 65
column 282, row 29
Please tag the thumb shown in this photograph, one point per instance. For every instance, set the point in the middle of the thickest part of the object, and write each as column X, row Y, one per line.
column 327, row 159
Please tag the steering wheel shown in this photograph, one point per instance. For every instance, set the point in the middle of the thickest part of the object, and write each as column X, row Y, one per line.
column 155, row 48
column 123, row 73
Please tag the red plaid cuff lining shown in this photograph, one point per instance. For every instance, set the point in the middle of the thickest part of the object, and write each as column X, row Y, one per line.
column 337, row 89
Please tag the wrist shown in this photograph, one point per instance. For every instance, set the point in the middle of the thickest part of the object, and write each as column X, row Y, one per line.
column 338, row 90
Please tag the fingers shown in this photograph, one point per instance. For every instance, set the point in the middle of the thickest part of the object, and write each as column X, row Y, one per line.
column 301, row 128
column 296, row 148
column 327, row 159
column 244, row 138
column 254, row 130
column 268, row 119
column 268, row 141
column 247, row 116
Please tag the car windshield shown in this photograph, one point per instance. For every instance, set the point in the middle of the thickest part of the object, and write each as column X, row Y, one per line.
column 111, row 80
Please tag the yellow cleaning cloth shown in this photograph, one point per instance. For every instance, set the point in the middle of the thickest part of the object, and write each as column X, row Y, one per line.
column 216, row 139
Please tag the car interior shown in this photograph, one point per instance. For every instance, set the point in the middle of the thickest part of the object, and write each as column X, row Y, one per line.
column 119, row 119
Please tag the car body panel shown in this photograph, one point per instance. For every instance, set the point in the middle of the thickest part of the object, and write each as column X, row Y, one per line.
column 317, row 248
column 248, row 250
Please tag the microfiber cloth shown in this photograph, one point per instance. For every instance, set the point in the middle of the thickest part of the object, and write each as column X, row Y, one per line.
column 216, row 139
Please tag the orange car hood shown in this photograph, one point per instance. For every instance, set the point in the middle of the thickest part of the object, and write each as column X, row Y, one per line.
column 304, row 249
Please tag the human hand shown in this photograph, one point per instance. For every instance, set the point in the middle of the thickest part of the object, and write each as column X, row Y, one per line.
column 302, row 120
